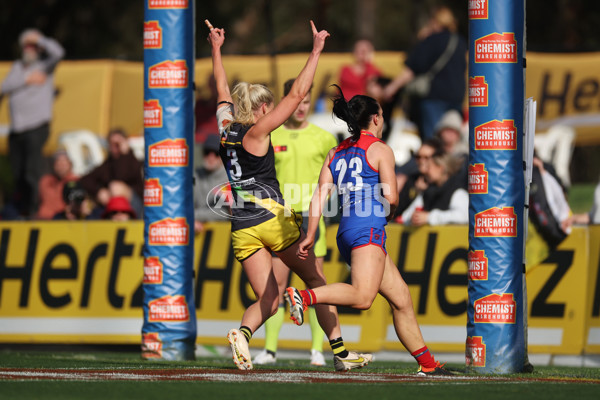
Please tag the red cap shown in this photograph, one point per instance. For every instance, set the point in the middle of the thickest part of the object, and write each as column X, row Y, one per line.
column 118, row 204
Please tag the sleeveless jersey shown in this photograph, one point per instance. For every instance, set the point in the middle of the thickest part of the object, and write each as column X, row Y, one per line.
column 254, row 186
column 357, row 184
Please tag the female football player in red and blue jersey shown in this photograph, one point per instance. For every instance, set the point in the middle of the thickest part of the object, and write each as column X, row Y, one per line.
column 361, row 169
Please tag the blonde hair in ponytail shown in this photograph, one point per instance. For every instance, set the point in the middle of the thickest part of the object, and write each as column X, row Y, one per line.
column 248, row 97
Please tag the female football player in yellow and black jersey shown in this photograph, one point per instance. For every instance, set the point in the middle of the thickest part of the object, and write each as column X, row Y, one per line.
column 261, row 222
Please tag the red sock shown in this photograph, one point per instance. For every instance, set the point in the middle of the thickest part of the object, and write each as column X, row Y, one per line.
column 308, row 297
column 424, row 358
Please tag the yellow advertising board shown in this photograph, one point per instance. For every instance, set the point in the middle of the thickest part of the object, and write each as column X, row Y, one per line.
column 81, row 282
column 433, row 261
column 557, row 297
column 592, row 326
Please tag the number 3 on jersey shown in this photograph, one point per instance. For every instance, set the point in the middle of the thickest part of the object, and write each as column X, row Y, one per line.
column 235, row 169
column 355, row 166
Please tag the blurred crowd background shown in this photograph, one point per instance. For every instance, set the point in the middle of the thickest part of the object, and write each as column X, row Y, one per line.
column 112, row 28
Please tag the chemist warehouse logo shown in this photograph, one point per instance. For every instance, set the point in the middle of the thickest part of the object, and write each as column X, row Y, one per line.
column 496, row 222
column 168, row 309
column 478, row 179
column 153, row 114
column 496, row 309
column 168, row 153
column 496, row 135
column 168, row 75
column 478, row 92
column 152, row 35
column 496, row 48
column 478, row 9
column 151, row 345
column 153, row 193
column 475, row 351
column 478, row 265
column 153, row 271
column 169, row 232
column 167, row 4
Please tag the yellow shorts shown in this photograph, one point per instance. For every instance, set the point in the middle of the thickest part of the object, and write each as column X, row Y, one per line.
column 276, row 234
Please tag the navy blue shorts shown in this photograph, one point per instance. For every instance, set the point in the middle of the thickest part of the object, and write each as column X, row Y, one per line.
column 354, row 238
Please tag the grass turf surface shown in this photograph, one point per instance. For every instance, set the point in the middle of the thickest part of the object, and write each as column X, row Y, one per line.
column 545, row 382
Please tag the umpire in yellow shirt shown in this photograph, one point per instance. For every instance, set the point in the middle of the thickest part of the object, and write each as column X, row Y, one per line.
column 300, row 150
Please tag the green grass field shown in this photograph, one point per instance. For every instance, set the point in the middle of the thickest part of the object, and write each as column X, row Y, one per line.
column 227, row 382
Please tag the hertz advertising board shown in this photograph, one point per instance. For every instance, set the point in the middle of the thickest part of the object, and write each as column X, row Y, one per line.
column 82, row 283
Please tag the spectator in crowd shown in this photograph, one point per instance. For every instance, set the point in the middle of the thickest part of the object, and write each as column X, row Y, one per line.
column 78, row 205
column 355, row 78
column 450, row 131
column 30, row 89
column 441, row 53
column 119, row 175
column 411, row 176
column 445, row 201
column 118, row 209
column 51, row 186
column 593, row 217
column 363, row 77
column 206, row 112
column 300, row 150
column 550, row 216
column 211, row 187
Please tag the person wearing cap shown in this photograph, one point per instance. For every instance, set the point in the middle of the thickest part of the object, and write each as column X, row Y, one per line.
column 210, row 186
column 121, row 174
column 29, row 86
column 450, row 131
column 51, row 185
column 118, row 209
column 78, row 204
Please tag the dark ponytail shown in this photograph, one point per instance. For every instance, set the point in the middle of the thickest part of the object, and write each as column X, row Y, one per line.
column 356, row 113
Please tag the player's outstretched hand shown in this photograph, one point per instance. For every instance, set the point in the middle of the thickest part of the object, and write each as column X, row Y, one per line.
column 304, row 247
column 216, row 37
column 318, row 37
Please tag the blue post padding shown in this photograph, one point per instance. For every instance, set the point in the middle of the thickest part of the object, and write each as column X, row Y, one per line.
column 169, row 329
column 495, row 336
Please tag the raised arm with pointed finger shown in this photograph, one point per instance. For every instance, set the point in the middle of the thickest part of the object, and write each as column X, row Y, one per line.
column 216, row 38
column 260, row 132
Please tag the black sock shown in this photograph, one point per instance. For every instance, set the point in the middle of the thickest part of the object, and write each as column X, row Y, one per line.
column 337, row 346
column 247, row 332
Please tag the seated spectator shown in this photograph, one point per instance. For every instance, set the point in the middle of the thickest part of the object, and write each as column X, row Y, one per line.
column 118, row 209
column 549, row 214
column 120, row 174
column 450, row 131
column 78, row 205
column 51, row 186
column 209, row 192
column 445, row 201
column 411, row 176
